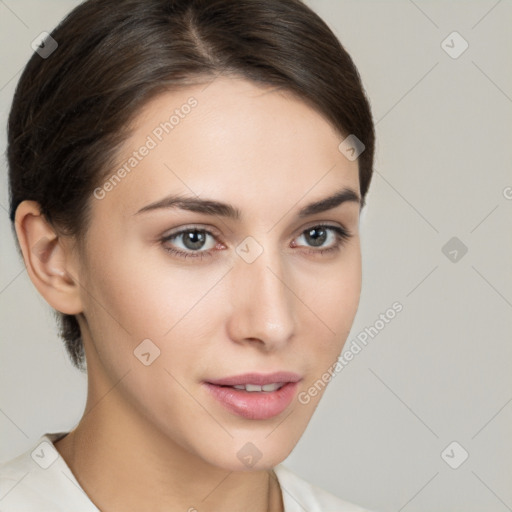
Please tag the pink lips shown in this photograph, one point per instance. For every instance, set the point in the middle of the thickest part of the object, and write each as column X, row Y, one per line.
column 255, row 405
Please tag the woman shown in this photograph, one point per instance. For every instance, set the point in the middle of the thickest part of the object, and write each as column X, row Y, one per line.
column 186, row 181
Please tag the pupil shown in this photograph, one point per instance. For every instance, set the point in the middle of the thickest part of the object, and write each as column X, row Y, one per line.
column 319, row 239
column 194, row 239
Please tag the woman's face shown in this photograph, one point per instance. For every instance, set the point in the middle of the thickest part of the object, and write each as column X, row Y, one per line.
column 235, row 280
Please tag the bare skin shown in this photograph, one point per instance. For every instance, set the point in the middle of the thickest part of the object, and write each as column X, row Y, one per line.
column 152, row 437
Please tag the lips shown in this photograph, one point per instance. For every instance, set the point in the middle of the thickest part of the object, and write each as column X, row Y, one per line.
column 256, row 396
column 258, row 379
column 254, row 387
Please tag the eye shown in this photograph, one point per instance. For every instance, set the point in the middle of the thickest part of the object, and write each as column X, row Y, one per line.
column 317, row 236
column 197, row 243
column 194, row 243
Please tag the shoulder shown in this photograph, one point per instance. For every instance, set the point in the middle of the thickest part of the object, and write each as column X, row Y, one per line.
column 299, row 495
column 39, row 479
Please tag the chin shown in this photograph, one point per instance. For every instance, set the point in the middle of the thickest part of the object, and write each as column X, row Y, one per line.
column 253, row 449
column 251, row 459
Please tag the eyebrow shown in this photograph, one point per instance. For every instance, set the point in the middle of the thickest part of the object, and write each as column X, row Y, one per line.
column 211, row 207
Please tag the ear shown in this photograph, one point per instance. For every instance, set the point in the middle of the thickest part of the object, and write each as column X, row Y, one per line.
column 48, row 259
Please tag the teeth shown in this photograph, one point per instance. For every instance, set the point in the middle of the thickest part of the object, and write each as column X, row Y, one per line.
column 254, row 387
column 272, row 387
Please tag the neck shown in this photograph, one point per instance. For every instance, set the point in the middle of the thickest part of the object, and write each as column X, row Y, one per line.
column 123, row 463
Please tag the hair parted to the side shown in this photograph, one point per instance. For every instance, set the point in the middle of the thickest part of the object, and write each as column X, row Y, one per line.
column 71, row 111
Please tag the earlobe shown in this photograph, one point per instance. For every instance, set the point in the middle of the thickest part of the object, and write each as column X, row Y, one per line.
column 47, row 259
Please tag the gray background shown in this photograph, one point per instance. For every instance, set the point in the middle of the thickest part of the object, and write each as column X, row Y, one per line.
column 440, row 370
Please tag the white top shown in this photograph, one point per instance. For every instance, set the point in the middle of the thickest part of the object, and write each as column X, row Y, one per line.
column 39, row 480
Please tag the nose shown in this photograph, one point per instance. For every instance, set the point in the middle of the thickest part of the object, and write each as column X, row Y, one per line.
column 262, row 301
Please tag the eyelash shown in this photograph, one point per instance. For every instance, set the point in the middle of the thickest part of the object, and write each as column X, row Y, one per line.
column 342, row 236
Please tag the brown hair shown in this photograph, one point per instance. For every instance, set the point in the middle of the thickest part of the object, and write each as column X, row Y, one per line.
column 71, row 111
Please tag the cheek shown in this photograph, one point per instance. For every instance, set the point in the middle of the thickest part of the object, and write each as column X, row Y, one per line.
column 342, row 299
column 184, row 311
column 151, row 298
column 332, row 303
column 157, row 299
column 139, row 294
column 334, row 295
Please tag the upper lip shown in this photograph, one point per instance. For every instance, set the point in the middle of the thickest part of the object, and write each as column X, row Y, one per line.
column 259, row 379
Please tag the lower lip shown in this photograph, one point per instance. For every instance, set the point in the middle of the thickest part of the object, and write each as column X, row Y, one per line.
column 254, row 405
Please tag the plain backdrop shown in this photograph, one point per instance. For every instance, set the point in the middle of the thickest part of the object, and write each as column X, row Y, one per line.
column 434, row 385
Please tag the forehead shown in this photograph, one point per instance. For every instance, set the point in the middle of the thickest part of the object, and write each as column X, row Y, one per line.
column 230, row 139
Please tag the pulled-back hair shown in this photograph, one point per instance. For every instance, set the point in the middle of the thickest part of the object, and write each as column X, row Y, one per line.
column 72, row 110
